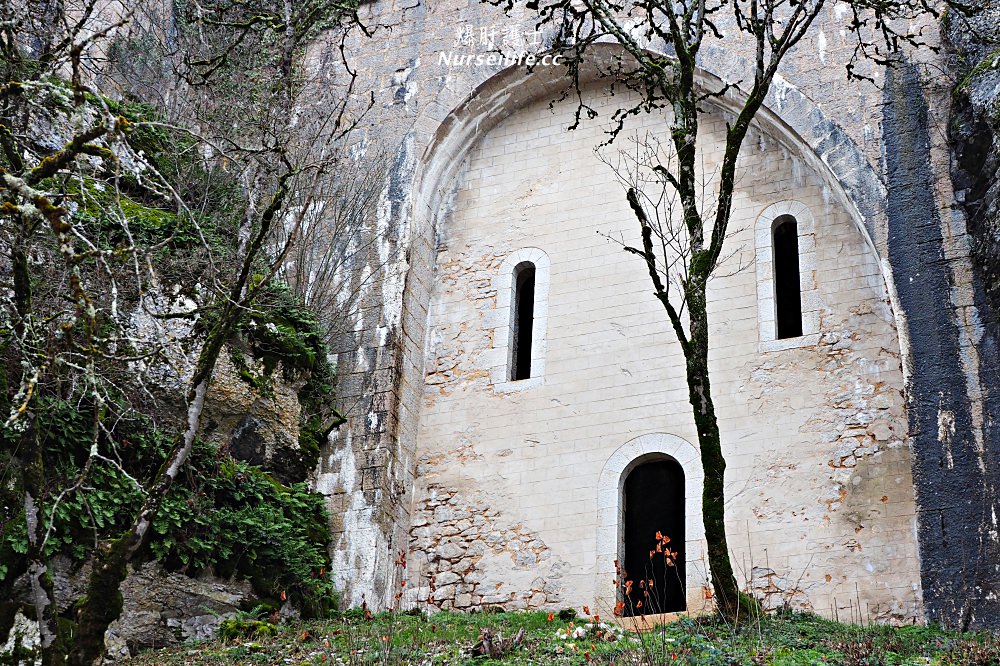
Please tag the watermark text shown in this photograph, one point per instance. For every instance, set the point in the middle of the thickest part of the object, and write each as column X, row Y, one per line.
column 495, row 46
column 459, row 59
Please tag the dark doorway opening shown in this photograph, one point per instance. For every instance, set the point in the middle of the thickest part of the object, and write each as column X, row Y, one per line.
column 524, row 319
column 654, row 503
column 787, row 290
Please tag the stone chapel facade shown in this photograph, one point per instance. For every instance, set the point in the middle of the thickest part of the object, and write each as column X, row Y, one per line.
column 524, row 373
column 814, row 424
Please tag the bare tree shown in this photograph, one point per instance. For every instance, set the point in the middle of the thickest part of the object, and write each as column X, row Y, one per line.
column 341, row 229
column 71, row 289
column 661, row 41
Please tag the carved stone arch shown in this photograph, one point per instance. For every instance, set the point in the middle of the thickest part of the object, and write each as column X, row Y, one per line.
column 610, row 487
column 788, row 116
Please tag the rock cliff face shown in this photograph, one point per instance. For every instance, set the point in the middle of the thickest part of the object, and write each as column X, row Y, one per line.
column 261, row 430
column 975, row 135
column 958, row 479
column 257, row 441
column 161, row 608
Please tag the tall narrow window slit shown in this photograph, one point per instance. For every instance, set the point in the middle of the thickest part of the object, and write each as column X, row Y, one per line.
column 523, row 320
column 787, row 287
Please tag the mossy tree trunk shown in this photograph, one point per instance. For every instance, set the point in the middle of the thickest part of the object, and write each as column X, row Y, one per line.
column 712, row 460
column 694, row 343
column 33, row 211
column 42, row 591
column 103, row 603
column 701, row 242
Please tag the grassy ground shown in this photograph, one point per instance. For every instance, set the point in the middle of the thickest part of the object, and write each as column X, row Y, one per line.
column 446, row 639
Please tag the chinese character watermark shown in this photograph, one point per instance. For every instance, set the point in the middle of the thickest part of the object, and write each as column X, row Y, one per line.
column 496, row 45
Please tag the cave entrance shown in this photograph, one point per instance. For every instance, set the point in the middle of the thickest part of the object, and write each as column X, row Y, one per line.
column 653, row 503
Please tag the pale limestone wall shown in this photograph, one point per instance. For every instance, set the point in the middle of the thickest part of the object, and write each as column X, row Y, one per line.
column 510, row 505
column 847, row 134
column 426, row 116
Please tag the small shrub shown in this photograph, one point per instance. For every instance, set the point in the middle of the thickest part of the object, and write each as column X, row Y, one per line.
column 971, row 652
column 235, row 519
column 355, row 614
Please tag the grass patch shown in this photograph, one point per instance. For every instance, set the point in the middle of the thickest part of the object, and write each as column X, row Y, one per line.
column 356, row 638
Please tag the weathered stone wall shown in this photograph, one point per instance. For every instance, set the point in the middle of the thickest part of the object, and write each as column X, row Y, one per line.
column 875, row 154
column 432, row 114
column 469, row 554
column 877, row 158
column 820, row 495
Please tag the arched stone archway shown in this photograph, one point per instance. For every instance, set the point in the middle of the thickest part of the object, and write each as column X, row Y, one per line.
column 653, row 544
column 610, row 513
column 467, row 105
column 788, row 117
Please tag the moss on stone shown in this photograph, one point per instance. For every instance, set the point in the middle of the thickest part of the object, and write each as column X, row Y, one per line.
column 236, row 628
column 987, row 64
column 282, row 332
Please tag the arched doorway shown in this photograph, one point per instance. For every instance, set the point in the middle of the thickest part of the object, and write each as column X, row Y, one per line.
column 653, row 523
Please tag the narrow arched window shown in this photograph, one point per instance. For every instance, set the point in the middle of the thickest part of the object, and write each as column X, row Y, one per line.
column 787, row 288
column 519, row 322
column 522, row 320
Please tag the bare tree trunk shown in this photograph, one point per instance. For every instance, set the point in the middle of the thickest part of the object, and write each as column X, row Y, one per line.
column 43, row 596
column 103, row 603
